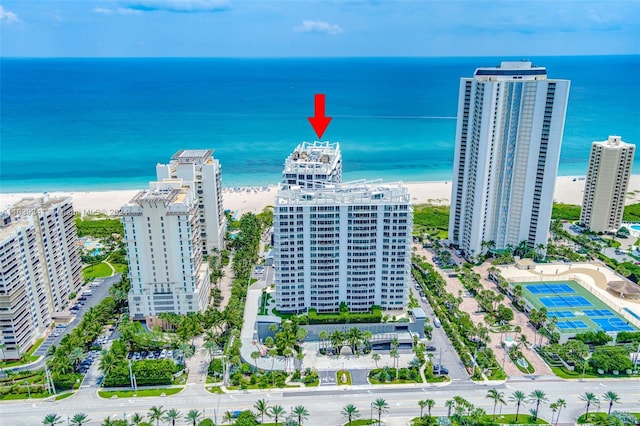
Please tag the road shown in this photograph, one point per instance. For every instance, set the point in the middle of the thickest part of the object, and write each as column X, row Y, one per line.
column 99, row 293
column 324, row 404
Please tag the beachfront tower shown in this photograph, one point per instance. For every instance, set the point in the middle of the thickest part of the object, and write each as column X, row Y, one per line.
column 606, row 185
column 508, row 136
column 313, row 165
column 348, row 242
column 198, row 168
column 39, row 269
column 162, row 232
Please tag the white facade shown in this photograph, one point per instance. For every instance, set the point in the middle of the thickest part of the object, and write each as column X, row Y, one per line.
column 198, row 168
column 347, row 243
column 39, row 267
column 606, row 185
column 508, row 137
column 162, row 232
column 313, row 165
column 55, row 226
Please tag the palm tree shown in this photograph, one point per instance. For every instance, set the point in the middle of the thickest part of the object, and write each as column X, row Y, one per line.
column 210, row 346
column 393, row 353
column 381, row 406
column 449, row 403
column 171, row 416
column 589, row 398
column 108, row 422
column 518, row 397
column 51, row 419
column 612, row 397
column 324, row 335
column 430, row 404
column 107, row 362
column 301, row 413
column 262, row 407
column 79, row 419
column 561, row 403
column 497, row 397
column 422, row 403
column 554, row 407
column 350, row 412
column 156, row 413
column 136, row 419
column 277, row 412
column 254, row 356
column 537, row 396
column 228, row 416
column 193, row 416
column 376, row 357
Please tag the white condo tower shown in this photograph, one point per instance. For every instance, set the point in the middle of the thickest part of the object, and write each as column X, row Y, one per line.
column 510, row 124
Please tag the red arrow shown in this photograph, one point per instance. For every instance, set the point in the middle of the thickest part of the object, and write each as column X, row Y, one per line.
column 319, row 122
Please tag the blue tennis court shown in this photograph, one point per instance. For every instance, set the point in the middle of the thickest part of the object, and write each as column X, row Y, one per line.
column 565, row 302
column 564, row 325
column 612, row 324
column 599, row 313
column 547, row 288
column 560, row 314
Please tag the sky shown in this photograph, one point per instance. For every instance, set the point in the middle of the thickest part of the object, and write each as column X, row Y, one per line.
column 310, row 28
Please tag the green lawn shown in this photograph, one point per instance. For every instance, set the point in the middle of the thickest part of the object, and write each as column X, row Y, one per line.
column 214, row 389
column 99, row 270
column 139, row 393
column 35, row 346
column 595, row 415
column 361, row 422
column 64, row 395
column 523, row 419
column 26, row 359
column 119, row 267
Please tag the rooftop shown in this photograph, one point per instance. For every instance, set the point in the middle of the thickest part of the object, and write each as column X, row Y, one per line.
column 614, row 142
column 509, row 70
column 198, row 156
column 314, row 154
column 360, row 191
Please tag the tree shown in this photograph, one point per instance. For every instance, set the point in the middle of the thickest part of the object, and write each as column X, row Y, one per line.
column 518, row 398
column 561, row 403
column 589, row 398
column 262, row 407
column 381, row 406
column 254, row 356
column 449, row 403
column 497, row 397
column 422, row 403
column 277, row 412
column 393, row 353
column 612, row 397
column 554, row 407
column 136, row 419
column 350, row 412
column 171, row 416
column 51, row 419
column 227, row 417
column 79, row 419
column 537, row 396
column 430, row 404
column 376, row 358
column 210, row 346
column 156, row 413
column 609, row 358
column 301, row 413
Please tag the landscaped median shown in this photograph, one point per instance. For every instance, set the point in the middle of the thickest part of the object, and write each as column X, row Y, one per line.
column 506, row 419
column 140, row 392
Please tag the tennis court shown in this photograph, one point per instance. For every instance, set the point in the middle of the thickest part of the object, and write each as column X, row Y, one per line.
column 572, row 308
column 574, row 325
column 599, row 313
column 549, row 288
column 612, row 324
column 565, row 302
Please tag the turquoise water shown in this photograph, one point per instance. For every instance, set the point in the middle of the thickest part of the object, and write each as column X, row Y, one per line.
column 90, row 124
column 635, row 227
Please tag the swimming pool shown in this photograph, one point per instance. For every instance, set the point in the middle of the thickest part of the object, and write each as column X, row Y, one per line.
column 635, row 227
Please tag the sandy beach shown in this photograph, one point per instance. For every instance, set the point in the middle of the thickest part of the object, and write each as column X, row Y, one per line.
column 568, row 190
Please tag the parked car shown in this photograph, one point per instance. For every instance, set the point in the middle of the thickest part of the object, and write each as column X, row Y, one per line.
column 431, row 348
column 440, row 369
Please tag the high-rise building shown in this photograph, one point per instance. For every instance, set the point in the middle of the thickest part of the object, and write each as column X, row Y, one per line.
column 510, row 124
column 198, row 168
column 313, row 165
column 162, row 232
column 606, row 185
column 57, row 237
column 348, row 242
column 39, row 268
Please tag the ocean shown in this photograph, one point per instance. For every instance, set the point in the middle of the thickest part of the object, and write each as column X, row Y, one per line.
column 97, row 124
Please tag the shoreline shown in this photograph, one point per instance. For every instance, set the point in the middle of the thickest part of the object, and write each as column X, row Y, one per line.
column 568, row 190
